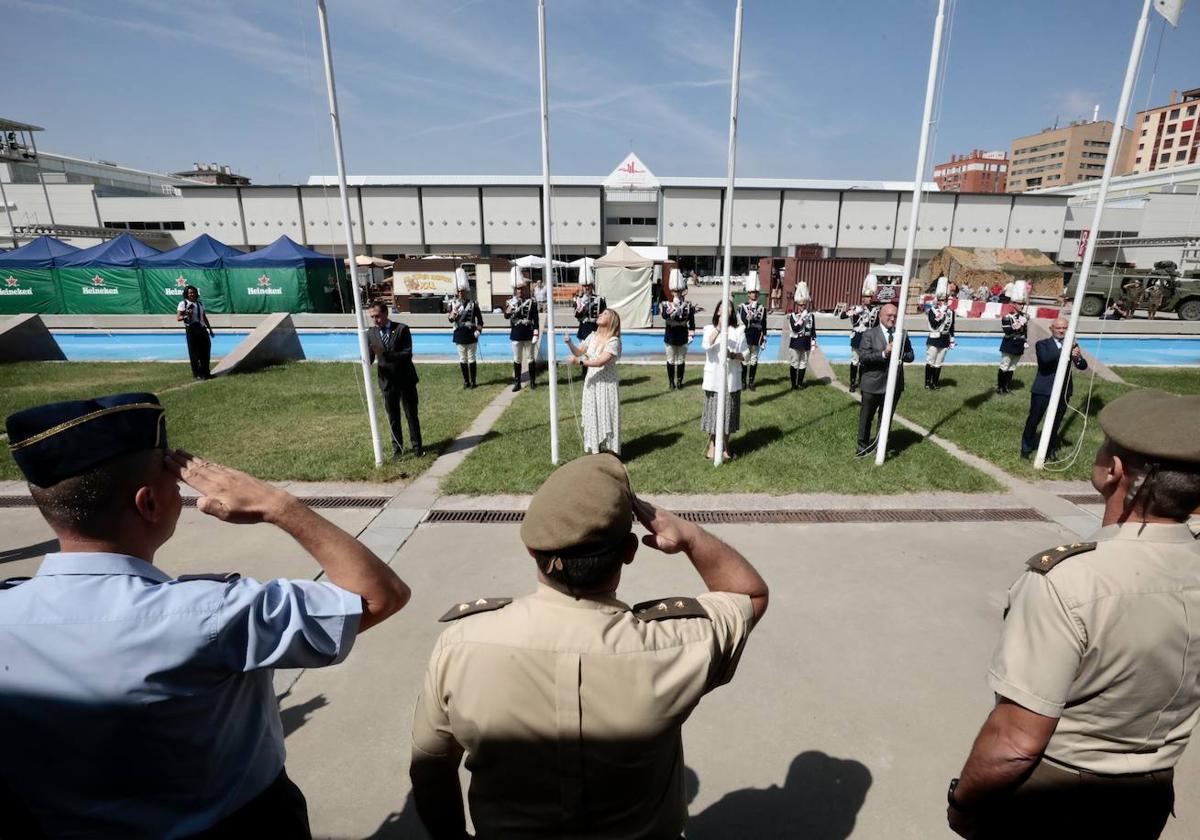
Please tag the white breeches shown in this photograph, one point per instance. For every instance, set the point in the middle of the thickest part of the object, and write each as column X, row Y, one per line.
column 1008, row 361
column 468, row 352
column 798, row 358
column 853, row 355
column 676, row 355
column 935, row 356
column 754, row 354
column 523, row 351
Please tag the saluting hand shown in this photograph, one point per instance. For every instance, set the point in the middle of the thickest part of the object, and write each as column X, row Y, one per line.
column 668, row 533
column 228, row 494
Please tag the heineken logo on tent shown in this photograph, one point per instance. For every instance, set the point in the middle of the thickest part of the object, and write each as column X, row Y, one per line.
column 12, row 286
column 180, row 282
column 264, row 287
column 98, row 288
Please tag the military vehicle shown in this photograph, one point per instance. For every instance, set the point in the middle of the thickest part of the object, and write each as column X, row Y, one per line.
column 1107, row 283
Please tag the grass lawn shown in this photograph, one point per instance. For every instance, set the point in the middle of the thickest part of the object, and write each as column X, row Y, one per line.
column 1177, row 380
column 24, row 384
column 790, row 442
column 967, row 411
column 304, row 421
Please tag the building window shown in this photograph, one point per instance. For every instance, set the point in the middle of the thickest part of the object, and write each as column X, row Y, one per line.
column 1174, row 115
column 1164, row 158
column 1171, row 128
column 1192, row 111
column 1169, row 142
column 1139, row 160
column 624, row 220
column 610, row 220
column 1181, row 154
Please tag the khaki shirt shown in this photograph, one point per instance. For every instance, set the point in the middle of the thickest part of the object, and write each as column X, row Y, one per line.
column 570, row 711
column 1108, row 642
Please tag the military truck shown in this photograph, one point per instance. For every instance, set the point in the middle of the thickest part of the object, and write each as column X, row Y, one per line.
column 1107, row 283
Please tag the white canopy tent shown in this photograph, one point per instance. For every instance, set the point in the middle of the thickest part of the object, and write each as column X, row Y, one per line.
column 535, row 261
column 624, row 278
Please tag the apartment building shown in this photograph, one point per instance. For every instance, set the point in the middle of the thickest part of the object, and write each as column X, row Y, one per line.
column 1166, row 136
column 1058, row 156
column 978, row 172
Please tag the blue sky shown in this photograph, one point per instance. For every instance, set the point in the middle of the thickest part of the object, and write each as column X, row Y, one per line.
column 829, row 89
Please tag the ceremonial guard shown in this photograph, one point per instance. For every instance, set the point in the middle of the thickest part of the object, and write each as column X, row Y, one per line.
column 754, row 318
column 1096, row 674
column 680, row 318
column 588, row 304
column 522, row 314
column 468, row 324
column 941, row 334
column 802, row 336
column 1016, row 331
column 862, row 318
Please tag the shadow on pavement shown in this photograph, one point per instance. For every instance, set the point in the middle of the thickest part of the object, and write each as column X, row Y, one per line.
column 820, row 800
column 8, row 555
column 293, row 717
column 401, row 825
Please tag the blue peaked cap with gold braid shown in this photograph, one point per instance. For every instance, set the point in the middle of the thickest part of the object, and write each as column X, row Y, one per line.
column 58, row 440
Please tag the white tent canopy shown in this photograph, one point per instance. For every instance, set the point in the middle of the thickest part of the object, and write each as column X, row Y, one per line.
column 535, row 261
column 622, row 256
column 886, row 270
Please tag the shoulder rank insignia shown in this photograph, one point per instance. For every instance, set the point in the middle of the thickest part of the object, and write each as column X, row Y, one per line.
column 13, row 581
column 669, row 608
column 1046, row 560
column 218, row 577
column 479, row 605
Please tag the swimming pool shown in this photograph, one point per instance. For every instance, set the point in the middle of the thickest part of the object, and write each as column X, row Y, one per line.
column 342, row 345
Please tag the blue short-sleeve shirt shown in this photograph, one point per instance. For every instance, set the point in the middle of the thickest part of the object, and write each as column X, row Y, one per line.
column 135, row 705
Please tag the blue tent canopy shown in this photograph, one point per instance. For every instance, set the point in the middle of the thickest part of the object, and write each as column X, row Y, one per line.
column 123, row 251
column 201, row 252
column 283, row 252
column 40, row 253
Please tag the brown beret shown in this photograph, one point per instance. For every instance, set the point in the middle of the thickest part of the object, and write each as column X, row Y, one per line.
column 586, row 505
column 1156, row 425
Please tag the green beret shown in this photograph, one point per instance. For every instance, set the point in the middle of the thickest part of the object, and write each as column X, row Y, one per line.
column 1155, row 425
column 585, row 506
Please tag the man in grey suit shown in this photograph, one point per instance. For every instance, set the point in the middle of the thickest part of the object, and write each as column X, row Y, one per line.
column 874, row 356
column 390, row 345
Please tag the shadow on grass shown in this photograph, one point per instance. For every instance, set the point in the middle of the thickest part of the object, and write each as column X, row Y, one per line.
column 901, row 439
column 970, row 402
column 647, row 443
column 446, row 445
column 784, row 392
column 635, row 380
column 756, row 439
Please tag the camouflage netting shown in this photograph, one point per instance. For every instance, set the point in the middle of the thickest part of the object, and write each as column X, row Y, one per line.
column 995, row 265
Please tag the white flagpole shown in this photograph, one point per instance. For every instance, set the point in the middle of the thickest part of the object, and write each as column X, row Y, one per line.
column 1114, row 144
column 727, row 238
column 547, row 236
column 910, row 245
column 352, row 266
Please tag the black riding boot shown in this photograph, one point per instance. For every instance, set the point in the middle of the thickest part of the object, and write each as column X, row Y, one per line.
column 853, row 378
column 792, row 377
column 679, row 375
column 466, row 374
column 999, row 381
column 473, row 368
column 753, row 374
column 928, row 378
column 671, row 377
column 745, row 376
column 532, row 374
column 1008, row 378
column 516, row 376
column 800, row 377
column 937, row 378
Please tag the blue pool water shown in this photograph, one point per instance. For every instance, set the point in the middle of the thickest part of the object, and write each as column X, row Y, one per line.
column 342, row 345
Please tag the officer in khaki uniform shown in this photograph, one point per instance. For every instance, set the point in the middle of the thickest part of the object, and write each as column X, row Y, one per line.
column 568, row 703
column 1097, row 673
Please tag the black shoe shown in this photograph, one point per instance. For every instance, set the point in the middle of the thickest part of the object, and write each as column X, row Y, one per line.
column 853, row 387
column 516, row 385
column 800, row 377
column 418, row 451
column 397, row 454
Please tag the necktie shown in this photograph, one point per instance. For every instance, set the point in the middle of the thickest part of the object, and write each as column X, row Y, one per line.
column 890, row 334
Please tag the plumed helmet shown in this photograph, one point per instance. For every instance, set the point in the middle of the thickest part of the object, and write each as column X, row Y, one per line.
column 870, row 285
column 752, row 284
column 519, row 280
column 678, row 282
column 942, row 289
column 460, row 280
column 1020, row 292
column 801, row 295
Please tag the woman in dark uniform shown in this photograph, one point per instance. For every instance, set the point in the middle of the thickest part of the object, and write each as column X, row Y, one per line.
column 198, row 331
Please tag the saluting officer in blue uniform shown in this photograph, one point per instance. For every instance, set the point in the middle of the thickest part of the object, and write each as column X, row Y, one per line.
column 140, row 706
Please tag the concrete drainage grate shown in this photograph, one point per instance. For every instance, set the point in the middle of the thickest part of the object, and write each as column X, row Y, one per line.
column 321, row 502
column 1082, row 498
column 735, row 517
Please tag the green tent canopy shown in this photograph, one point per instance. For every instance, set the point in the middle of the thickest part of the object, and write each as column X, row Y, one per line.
column 199, row 263
column 104, row 279
column 27, row 283
column 285, row 277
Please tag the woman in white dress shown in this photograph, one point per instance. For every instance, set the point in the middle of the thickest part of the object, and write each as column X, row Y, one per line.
column 739, row 352
column 599, row 353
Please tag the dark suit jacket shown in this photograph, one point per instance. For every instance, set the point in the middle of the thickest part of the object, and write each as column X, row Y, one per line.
column 1047, row 362
column 874, row 365
column 395, row 358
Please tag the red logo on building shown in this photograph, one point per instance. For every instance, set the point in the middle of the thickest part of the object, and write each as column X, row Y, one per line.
column 12, row 281
column 264, row 280
column 181, row 281
column 631, row 169
column 97, row 280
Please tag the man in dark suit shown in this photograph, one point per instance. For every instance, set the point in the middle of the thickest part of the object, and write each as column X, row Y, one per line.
column 874, row 356
column 1048, row 352
column 391, row 347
